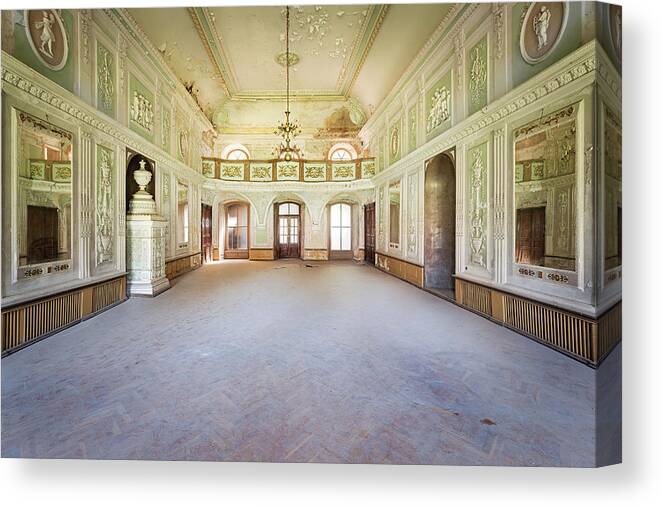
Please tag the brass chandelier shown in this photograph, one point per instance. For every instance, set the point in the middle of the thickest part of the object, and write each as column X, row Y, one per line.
column 287, row 130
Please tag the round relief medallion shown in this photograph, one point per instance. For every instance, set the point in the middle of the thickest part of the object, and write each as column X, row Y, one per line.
column 542, row 29
column 394, row 142
column 47, row 37
column 615, row 26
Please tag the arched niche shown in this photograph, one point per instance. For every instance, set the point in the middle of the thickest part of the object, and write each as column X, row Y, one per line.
column 133, row 159
column 440, row 222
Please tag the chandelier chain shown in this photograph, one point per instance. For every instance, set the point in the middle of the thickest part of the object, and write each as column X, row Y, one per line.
column 287, row 54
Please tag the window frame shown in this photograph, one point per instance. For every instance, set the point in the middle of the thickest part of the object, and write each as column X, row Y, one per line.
column 342, row 226
column 233, row 148
column 342, row 147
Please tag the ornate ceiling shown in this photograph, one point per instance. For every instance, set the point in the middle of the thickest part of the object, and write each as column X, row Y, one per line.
column 343, row 52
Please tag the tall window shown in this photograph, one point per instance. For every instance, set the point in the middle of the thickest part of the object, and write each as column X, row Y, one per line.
column 235, row 152
column 340, row 227
column 237, row 227
column 342, row 151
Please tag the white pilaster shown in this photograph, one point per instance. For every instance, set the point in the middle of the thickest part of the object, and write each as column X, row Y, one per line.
column 86, row 162
column 499, row 206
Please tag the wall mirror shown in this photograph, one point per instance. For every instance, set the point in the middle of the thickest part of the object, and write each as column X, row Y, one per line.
column 612, row 190
column 44, row 199
column 545, row 191
column 183, row 214
column 394, row 199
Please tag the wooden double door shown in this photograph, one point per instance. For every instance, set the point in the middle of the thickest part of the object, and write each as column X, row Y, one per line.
column 370, row 233
column 205, row 234
column 530, row 235
column 288, row 233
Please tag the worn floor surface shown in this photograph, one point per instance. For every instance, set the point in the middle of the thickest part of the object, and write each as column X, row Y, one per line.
column 277, row 361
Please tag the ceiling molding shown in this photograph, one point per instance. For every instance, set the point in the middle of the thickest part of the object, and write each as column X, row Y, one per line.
column 203, row 20
column 444, row 33
column 131, row 30
column 294, row 96
column 371, row 30
column 213, row 44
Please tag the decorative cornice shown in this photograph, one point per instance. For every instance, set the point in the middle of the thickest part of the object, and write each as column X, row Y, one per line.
column 130, row 29
column 29, row 82
column 218, row 56
column 200, row 16
column 445, row 32
column 579, row 65
column 284, row 186
column 608, row 74
column 380, row 14
column 295, row 95
column 266, row 130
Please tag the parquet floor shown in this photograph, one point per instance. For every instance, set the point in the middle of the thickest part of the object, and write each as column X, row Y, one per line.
column 278, row 361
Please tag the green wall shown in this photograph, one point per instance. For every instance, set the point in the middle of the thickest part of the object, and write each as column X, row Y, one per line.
column 570, row 40
column 24, row 52
column 445, row 81
column 136, row 86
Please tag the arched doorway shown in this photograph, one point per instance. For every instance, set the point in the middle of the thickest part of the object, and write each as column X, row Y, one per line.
column 288, row 230
column 440, row 190
column 237, row 230
column 341, row 228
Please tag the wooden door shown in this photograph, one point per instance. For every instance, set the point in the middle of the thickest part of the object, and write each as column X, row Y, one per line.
column 370, row 233
column 42, row 234
column 205, row 234
column 289, row 236
column 530, row 235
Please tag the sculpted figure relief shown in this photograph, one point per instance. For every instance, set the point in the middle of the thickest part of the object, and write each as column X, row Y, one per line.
column 440, row 110
column 142, row 111
column 542, row 28
column 540, row 24
column 47, row 36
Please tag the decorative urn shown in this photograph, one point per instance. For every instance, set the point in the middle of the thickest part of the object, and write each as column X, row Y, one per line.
column 142, row 202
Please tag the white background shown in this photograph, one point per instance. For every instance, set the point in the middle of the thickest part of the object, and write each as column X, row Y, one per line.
column 636, row 482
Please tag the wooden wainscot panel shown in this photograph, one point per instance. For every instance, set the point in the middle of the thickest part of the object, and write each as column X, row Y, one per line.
column 407, row 271
column 216, row 254
column 609, row 330
column 177, row 267
column 414, row 274
column 31, row 321
column 473, row 296
column 237, row 254
column 108, row 293
column 261, row 254
column 316, row 254
column 586, row 339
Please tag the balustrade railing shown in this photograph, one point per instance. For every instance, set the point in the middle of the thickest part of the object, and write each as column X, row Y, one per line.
column 308, row 171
